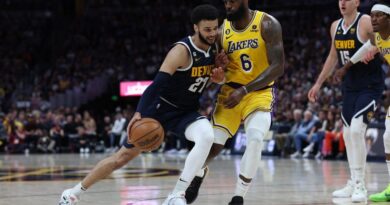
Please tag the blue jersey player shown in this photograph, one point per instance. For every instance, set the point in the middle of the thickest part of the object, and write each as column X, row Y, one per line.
column 173, row 100
column 362, row 86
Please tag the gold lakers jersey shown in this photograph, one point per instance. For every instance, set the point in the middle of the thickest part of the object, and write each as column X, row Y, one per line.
column 383, row 46
column 245, row 49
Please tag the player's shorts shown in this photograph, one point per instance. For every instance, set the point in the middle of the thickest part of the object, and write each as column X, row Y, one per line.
column 229, row 120
column 171, row 118
column 359, row 103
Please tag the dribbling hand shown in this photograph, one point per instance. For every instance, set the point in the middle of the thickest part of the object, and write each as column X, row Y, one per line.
column 136, row 117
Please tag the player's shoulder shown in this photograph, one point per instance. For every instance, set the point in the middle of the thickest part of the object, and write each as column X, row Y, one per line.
column 365, row 20
column 269, row 22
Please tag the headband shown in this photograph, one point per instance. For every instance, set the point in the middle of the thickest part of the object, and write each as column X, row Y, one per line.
column 382, row 8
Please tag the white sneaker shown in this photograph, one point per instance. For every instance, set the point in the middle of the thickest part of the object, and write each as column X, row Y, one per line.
column 67, row 198
column 359, row 193
column 296, row 154
column 306, row 155
column 176, row 199
column 344, row 192
column 318, row 155
column 309, row 147
column 183, row 151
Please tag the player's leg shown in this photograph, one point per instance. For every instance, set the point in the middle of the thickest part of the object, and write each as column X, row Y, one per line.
column 99, row 172
column 201, row 133
column 257, row 126
column 347, row 113
column 384, row 196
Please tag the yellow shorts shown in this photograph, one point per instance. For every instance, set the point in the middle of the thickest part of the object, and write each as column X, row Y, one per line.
column 229, row 120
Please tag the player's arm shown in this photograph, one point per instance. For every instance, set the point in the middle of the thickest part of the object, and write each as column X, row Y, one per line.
column 271, row 32
column 327, row 69
column 177, row 57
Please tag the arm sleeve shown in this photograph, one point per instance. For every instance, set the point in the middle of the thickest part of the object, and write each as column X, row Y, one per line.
column 153, row 91
column 358, row 56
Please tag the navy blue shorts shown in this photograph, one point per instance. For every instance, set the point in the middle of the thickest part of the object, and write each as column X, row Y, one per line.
column 358, row 103
column 171, row 118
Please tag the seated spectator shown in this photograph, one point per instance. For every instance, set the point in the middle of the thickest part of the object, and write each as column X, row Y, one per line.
column 303, row 131
column 334, row 134
column 284, row 140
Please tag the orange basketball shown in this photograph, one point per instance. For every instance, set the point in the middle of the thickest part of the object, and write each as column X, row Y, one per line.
column 146, row 134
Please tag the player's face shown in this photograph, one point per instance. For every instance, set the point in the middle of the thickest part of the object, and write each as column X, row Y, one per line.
column 235, row 9
column 348, row 6
column 207, row 31
column 379, row 21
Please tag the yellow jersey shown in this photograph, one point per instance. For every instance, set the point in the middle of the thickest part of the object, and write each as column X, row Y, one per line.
column 383, row 46
column 245, row 49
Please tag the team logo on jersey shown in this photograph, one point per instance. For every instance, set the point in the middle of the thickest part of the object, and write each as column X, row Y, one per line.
column 250, row 43
column 370, row 115
column 227, row 31
column 254, row 28
column 353, row 30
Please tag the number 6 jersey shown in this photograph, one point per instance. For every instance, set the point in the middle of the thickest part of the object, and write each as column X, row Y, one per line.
column 187, row 84
column 361, row 76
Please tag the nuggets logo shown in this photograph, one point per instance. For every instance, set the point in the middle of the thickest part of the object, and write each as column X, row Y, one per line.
column 353, row 30
column 370, row 115
column 227, row 31
column 77, row 173
column 250, row 43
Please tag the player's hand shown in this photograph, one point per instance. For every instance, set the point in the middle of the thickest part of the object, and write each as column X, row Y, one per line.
column 339, row 74
column 234, row 98
column 217, row 75
column 221, row 60
column 313, row 93
column 136, row 117
column 370, row 55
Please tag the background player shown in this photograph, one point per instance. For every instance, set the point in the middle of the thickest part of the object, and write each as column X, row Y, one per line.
column 361, row 88
column 380, row 18
column 253, row 43
column 173, row 99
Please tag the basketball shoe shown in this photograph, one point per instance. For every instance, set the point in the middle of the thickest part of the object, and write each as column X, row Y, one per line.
column 68, row 198
column 359, row 192
column 177, row 198
column 237, row 200
column 384, row 196
column 344, row 192
column 193, row 190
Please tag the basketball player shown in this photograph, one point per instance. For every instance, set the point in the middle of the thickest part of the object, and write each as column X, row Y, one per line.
column 173, row 100
column 253, row 43
column 380, row 19
column 362, row 86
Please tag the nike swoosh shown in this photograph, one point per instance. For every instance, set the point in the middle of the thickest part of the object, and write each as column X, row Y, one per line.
column 227, row 37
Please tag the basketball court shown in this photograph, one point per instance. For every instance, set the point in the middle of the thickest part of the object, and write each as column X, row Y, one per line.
column 40, row 180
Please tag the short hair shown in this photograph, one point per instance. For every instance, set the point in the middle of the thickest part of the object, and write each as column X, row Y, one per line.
column 204, row 12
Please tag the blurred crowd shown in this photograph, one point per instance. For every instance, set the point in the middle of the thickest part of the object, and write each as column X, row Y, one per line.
column 46, row 50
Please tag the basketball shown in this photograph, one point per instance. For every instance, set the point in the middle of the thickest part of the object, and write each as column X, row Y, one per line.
column 146, row 134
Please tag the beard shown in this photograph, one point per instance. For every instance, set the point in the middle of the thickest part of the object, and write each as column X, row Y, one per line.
column 236, row 15
column 203, row 39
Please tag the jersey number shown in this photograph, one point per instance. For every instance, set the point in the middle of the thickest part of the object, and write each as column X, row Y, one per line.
column 199, row 84
column 344, row 57
column 246, row 63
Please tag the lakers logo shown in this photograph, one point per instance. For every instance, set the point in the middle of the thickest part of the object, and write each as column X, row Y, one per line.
column 370, row 115
column 77, row 173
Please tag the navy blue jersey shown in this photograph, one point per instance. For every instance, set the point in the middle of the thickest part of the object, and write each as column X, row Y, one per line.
column 360, row 76
column 187, row 84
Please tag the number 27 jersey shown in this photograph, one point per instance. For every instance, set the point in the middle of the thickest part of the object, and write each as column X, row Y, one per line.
column 187, row 84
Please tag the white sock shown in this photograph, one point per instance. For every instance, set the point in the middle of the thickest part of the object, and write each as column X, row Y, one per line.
column 359, row 151
column 78, row 189
column 201, row 172
column 241, row 188
column 388, row 166
column 181, row 185
column 348, row 140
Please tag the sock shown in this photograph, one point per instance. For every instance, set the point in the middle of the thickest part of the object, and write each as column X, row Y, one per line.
column 181, row 185
column 78, row 189
column 201, row 172
column 241, row 188
column 388, row 166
